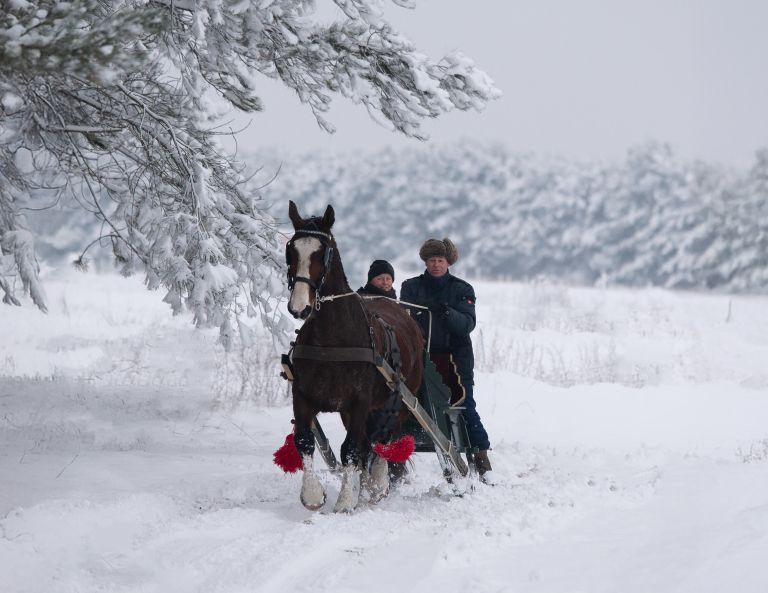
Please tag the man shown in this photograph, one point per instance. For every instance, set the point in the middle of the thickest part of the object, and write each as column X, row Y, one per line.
column 381, row 275
column 452, row 304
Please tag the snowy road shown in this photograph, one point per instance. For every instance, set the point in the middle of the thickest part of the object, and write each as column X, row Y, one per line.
column 629, row 435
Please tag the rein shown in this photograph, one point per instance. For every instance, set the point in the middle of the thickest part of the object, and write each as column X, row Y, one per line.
column 346, row 353
column 338, row 353
column 354, row 354
column 407, row 304
column 332, row 297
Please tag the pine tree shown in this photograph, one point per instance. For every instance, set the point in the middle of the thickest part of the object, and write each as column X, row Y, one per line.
column 654, row 220
column 109, row 101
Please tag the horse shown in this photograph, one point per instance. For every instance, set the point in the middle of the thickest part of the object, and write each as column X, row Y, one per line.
column 333, row 360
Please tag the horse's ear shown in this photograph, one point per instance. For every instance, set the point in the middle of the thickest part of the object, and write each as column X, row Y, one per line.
column 293, row 214
column 329, row 217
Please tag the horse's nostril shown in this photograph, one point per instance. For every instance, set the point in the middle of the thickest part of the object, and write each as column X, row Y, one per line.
column 305, row 312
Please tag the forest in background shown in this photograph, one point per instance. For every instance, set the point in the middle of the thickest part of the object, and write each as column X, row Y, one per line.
column 653, row 219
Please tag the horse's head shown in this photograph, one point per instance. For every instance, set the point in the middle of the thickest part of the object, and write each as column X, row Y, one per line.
column 308, row 255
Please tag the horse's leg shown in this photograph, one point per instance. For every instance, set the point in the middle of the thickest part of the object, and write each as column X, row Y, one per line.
column 312, row 492
column 349, row 495
column 378, row 478
column 380, row 427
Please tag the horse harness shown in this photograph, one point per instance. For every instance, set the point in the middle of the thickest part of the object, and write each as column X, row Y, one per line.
column 335, row 353
column 384, row 417
column 390, row 350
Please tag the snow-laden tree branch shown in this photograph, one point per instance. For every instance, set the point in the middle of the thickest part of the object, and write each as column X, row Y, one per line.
column 110, row 102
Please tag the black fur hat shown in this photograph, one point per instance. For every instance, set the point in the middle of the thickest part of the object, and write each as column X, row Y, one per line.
column 380, row 266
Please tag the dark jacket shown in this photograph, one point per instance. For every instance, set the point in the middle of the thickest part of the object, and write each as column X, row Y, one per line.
column 452, row 302
column 370, row 289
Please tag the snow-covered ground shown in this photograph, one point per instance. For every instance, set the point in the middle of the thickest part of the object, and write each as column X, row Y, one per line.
column 629, row 430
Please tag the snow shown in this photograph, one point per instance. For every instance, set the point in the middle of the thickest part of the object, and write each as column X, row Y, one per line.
column 11, row 102
column 628, row 430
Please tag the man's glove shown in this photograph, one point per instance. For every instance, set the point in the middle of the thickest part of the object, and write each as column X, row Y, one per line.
column 440, row 311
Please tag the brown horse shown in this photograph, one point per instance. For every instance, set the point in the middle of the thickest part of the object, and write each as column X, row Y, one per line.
column 333, row 363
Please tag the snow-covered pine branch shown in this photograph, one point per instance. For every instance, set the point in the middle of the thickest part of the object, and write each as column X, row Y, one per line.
column 21, row 245
column 110, row 103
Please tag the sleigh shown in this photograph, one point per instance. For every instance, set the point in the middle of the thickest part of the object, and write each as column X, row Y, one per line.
column 436, row 422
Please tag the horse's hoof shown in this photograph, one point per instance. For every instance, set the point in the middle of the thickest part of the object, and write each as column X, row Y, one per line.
column 349, row 495
column 343, row 508
column 312, row 506
column 378, row 480
column 378, row 496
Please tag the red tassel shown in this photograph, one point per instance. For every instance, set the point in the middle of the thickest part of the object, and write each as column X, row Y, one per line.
column 287, row 457
column 398, row 452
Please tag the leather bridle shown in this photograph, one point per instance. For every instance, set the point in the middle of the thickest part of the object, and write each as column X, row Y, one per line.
column 325, row 241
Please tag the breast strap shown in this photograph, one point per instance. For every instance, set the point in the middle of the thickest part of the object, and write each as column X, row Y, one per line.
column 391, row 350
column 333, row 353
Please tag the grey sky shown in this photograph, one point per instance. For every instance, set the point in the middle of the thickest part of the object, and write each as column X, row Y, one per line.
column 581, row 78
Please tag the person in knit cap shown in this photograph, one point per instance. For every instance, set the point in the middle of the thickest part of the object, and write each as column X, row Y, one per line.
column 451, row 304
column 381, row 275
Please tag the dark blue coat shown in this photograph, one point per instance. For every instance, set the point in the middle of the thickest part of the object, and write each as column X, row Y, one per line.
column 452, row 301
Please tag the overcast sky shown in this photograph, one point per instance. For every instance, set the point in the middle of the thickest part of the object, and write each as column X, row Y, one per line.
column 581, row 78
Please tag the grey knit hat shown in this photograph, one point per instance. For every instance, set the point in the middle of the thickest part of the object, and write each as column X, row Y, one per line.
column 437, row 248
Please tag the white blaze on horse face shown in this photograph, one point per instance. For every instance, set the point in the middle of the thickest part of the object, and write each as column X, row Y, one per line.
column 301, row 294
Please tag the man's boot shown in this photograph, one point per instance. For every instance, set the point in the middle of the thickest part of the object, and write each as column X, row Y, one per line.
column 483, row 465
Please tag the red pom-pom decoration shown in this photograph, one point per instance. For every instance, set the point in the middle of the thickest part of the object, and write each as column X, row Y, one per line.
column 397, row 452
column 287, row 457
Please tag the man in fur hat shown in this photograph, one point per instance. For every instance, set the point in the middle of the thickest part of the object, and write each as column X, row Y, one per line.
column 452, row 304
column 381, row 275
